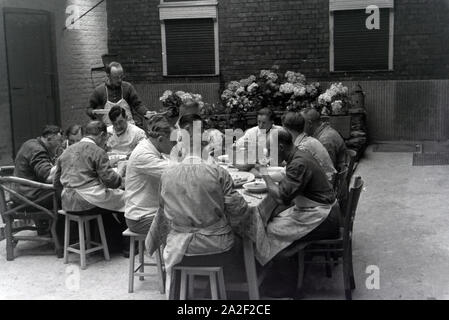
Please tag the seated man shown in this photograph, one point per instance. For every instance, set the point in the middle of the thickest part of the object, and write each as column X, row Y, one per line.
column 311, row 218
column 143, row 173
column 263, row 130
column 89, row 183
column 74, row 134
column 124, row 136
column 294, row 123
column 198, row 206
column 329, row 137
column 35, row 161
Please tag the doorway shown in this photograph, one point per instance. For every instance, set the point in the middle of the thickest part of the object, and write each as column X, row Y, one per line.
column 32, row 74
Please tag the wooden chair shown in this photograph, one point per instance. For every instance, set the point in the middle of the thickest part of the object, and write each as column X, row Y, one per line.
column 85, row 244
column 24, row 209
column 351, row 157
column 140, row 270
column 342, row 246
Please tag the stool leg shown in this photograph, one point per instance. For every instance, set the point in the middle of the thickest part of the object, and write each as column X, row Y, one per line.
column 221, row 285
column 66, row 239
column 173, row 285
column 82, row 244
column 160, row 271
column 213, row 286
column 183, row 290
column 87, row 223
column 191, row 286
column 141, row 258
column 131, row 265
column 104, row 243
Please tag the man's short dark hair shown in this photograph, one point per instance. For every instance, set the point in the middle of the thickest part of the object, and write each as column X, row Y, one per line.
column 115, row 112
column 311, row 114
column 189, row 119
column 266, row 112
column 285, row 138
column 95, row 128
column 73, row 130
column 113, row 65
column 157, row 126
column 293, row 121
column 51, row 130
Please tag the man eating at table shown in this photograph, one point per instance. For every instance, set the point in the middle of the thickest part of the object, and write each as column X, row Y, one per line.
column 198, row 208
column 294, row 123
column 314, row 215
column 123, row 136
column 143, row 173
column 90, row 185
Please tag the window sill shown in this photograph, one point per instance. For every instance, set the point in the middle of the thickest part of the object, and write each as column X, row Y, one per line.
column 362, row 71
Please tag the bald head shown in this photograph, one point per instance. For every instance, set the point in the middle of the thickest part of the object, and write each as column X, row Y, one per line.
column 313, row 120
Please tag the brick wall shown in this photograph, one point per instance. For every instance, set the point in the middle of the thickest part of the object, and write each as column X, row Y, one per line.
column 293, row 34
column 77, row 51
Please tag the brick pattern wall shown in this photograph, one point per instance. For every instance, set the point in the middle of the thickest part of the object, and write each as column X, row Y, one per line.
column 77, row 51
column 293, row 34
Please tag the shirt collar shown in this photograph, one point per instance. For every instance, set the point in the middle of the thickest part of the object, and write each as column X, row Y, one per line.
column 88, row 140
column 192, row 160
column 300, row 138
column 320, row 129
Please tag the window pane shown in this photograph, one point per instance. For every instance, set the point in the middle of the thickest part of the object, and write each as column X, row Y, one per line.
column 355, row 46
column 190, row 46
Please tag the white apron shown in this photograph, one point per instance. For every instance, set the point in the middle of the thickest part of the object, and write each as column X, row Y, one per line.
column 102, row 197
column 287, row 227
column 122, row 103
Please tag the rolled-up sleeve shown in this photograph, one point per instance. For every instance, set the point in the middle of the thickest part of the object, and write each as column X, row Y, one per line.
column 134, row 101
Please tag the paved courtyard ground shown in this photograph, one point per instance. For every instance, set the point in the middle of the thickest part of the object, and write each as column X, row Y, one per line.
column 401, row 228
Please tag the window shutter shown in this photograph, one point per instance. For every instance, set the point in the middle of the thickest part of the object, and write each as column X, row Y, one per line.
column 355, row 46
column 190, row 46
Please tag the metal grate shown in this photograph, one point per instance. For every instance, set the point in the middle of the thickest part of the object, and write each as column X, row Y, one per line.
column 431, row 159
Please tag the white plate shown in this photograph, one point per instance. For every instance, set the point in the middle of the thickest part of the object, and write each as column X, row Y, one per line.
column 223, row 159
column 240, row 178
column 255, row 187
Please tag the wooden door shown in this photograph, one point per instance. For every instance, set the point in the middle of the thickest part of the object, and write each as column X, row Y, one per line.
column 31, row 73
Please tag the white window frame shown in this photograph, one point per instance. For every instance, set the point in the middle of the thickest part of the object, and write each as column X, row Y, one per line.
column 199, row 9
column 339, row 5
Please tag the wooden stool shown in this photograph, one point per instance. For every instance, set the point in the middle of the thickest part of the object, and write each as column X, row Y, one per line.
column 140, row 270
column 84, row 237
column 214, row 273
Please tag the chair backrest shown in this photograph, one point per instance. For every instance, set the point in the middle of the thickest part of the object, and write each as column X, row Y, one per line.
column 351, row 156
column 340, row 182
column 7, row 190
column 354, row 196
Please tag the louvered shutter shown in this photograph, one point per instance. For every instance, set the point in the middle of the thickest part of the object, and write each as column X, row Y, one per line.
column 190, row 46
column 355, row 46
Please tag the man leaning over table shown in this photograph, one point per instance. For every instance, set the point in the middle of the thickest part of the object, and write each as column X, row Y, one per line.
column 123, row 136
column 113, row 92
column 314, row 215
column 36, row 161
column 198, row 208
column 90, row 185
column 143, row 173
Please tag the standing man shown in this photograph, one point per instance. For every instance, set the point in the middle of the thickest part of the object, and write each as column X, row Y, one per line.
column 124, row 136
column 329, row 137
column 143, row 174
column 115, row 91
